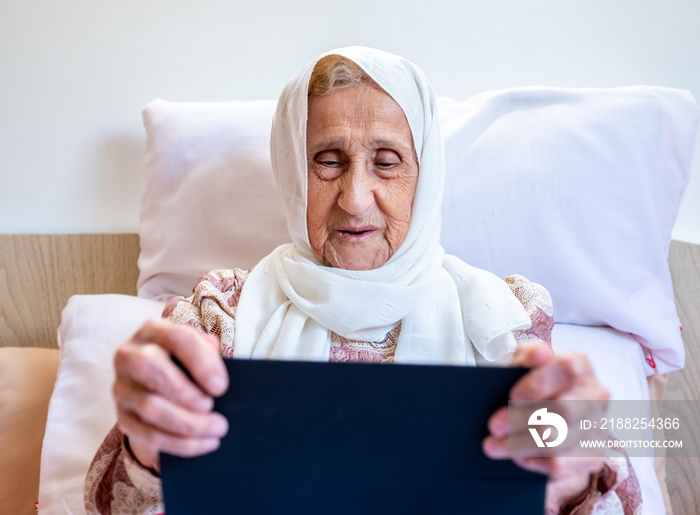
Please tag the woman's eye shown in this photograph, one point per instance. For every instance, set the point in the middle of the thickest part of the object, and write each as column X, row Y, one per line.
column 328, row 159
column 387, row 160
column 327, row 165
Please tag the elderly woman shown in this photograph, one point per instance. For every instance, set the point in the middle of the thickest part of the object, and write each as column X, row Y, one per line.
column 357, row 156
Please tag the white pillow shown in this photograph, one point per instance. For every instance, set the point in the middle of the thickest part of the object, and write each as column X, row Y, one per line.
column 81, row 410
column 210, row 200
column 576, row 189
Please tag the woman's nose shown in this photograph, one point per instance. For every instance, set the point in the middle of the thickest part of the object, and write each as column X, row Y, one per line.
column 356, row 194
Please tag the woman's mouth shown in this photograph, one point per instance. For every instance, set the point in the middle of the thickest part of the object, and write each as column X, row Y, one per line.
column 356, row 232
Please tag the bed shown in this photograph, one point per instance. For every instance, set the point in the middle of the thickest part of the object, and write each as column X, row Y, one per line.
column 577, row 189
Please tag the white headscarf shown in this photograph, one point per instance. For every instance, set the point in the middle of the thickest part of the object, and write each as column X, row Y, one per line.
column 448, row 309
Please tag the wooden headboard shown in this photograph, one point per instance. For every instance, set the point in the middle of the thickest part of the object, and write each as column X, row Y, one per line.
column 38, row 273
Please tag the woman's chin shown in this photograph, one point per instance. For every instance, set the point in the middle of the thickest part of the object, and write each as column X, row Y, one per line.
column 359, row 256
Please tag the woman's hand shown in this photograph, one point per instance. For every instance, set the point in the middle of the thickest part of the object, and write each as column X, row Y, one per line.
column 159, row 407
column 565, row 377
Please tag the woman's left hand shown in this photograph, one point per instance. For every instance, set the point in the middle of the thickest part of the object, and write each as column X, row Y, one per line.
column 564, row 377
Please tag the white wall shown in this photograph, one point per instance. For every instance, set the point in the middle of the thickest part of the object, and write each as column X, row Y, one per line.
column 74, row 75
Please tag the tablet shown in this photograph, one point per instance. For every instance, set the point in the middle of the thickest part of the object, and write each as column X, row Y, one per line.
column 354, row 438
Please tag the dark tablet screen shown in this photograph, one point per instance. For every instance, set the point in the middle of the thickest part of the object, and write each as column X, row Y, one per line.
column 352, row 438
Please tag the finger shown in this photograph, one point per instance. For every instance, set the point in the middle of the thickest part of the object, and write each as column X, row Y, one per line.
column 559, row 467
column 495, row 447
column 522, row 443
column 557, row 376
column 150, row 367
column 573, row 406
column 498, row 422
column 194, row 350
column 170, row 418
column 589, row 389
column 531, row 354
column 151, row 437
column 213, row 341
column 519, row 446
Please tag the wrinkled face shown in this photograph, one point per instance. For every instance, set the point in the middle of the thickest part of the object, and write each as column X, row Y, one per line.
column 362, row 173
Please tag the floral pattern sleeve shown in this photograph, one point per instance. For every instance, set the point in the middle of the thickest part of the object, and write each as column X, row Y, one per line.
column 538, row 304
column 116, row 482
column 212, row 308
column 614, row 490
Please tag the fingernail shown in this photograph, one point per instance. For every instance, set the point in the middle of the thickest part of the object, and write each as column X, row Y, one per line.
column 220, row 426
column 212, row 445
column 217, row 385
column 499, row 427
column 495, row 450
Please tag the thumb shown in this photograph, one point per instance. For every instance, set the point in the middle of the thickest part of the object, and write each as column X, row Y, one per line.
column 532, row 354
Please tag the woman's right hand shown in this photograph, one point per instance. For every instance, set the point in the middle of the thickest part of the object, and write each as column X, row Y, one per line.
column 159, row 407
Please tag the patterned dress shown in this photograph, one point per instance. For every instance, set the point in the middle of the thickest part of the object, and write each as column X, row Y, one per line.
column 117, row 483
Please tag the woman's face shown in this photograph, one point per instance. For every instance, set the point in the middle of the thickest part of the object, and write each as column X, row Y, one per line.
column 362, row 172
